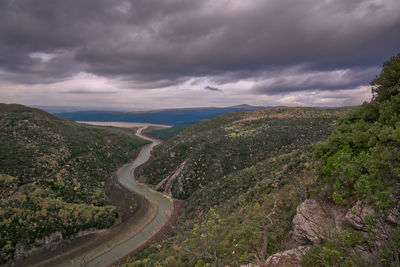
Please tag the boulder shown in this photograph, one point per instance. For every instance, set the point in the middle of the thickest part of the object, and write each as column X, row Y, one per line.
column 317, row 220
column 291, row 257
column 355, row 217
column 394, row 216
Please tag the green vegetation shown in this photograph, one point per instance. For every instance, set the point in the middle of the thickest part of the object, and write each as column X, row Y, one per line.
column 361, row 160
column 52, row 174
column 226, row 217
column 236, row 165
column 235, row 141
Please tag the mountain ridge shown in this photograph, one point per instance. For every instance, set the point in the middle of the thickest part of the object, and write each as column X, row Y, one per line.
column 179, row 116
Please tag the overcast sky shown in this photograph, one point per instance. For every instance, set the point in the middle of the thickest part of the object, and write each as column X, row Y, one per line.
column 147, row 54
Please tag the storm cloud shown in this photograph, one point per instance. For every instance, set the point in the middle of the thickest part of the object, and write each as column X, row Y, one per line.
column 278, row 46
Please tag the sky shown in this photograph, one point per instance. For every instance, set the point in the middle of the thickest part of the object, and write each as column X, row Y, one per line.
column 151, row 54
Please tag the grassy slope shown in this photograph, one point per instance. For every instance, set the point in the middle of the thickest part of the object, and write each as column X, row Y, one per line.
column 235, row 164
column 52, row 175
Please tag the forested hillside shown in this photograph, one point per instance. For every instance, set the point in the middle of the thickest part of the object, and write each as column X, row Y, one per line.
column 229, row 170
column 52, row 175
column 206, row 152
column 361, row 172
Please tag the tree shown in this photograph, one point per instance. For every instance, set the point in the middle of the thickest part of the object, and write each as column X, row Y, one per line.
column 387, row 83
column 261, row 224
column 204, row 241
column 361, row 160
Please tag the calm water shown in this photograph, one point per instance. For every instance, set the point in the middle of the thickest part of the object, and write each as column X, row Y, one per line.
column 164, row 204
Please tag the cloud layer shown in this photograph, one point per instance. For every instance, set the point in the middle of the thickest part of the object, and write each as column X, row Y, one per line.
column 275, row 47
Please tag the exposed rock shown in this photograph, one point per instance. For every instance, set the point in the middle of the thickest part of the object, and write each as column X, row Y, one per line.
column 355, row 217
column 20, row 251
column 316, row 220
column 291, row 257
column 321, row 220
column 52, row 238
column 394, row 216
column 363, row 252
column 167, row 182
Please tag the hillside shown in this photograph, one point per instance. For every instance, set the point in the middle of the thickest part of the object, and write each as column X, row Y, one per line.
column 208, row 151
column 52, row 177
column 228, row 169
column 178, row 117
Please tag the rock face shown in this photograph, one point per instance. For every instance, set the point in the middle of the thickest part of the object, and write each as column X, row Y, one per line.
column 317, row 220
column 355, row 217
column 167, row 183
column 291, row 257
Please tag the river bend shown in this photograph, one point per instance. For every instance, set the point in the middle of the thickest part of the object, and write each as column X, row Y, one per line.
column 163, row 204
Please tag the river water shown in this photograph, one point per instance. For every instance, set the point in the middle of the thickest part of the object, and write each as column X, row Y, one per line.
column 163, row 203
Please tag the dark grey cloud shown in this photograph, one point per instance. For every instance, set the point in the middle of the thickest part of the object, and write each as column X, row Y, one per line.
column 323, row 80
column 157, row 43
column 214, row 89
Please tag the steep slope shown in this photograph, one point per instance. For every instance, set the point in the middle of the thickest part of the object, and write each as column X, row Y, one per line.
column 52, row 175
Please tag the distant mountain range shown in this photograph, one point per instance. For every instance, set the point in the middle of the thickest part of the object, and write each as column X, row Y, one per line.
column 184, row 116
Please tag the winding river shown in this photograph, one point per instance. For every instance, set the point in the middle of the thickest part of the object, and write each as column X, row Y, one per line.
column 161, row 202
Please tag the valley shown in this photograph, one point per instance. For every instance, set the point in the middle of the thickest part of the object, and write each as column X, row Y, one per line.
column 288, row 186
column 210, row 133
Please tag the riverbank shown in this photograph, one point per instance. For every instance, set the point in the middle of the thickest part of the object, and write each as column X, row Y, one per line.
column 163, row 204
column 151, row 214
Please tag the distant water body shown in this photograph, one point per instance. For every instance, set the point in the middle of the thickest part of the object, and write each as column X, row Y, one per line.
column 123, row 124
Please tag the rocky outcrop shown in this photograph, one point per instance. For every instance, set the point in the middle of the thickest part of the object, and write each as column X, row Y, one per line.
column 291, row 257
column 167, row 182
column 317, row 220
column 355, row 217
column 394, row 216
column 52, row 238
